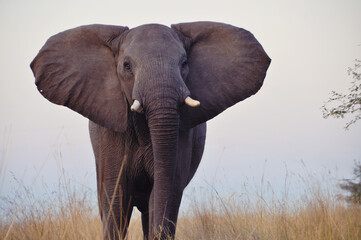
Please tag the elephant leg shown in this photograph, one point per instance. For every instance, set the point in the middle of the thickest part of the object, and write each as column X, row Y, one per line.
column 143, row 207
column 117, row 212
column 145, row 224
column 127, row 210
column 115, row 200
column 111, row 216
column 114, row 188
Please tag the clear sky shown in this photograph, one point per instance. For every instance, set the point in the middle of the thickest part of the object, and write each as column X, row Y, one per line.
column 278, row 132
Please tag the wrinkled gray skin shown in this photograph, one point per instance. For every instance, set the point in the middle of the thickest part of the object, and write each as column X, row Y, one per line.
column 146, row 159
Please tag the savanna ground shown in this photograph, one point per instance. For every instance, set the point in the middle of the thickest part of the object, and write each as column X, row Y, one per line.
column 70, row 213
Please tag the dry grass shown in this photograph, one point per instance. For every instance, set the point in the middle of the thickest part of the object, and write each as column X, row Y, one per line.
column 65, row 214
column 313, row 217
column 69, row 214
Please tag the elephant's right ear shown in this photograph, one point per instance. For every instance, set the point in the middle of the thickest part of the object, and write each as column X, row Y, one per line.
column 77, row 69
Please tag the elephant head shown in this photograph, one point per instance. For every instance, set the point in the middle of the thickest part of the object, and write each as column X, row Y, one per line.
column 107, row 73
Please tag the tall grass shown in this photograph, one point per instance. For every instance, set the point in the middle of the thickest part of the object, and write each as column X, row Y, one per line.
column 67, row 213
column 317, row 213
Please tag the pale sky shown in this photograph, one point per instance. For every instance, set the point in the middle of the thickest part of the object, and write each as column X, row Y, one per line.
column 279, row 131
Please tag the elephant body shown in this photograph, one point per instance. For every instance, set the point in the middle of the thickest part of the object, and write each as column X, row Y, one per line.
column 137, row 87
column 124, row 161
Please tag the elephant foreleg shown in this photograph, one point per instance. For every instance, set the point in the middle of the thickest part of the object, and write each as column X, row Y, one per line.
column 116, row 213
column 145, row 224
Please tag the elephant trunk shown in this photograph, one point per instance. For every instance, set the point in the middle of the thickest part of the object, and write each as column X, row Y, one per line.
column 164, row 129
column 159, row 94
column 161, row 110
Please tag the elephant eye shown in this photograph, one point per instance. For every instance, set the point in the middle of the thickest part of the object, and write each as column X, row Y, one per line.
column 127, row 66
column 184, row 64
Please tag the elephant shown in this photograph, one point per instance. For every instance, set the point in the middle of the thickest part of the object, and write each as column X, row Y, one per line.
column 148, row 92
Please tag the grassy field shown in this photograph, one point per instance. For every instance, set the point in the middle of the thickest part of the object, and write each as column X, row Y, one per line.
column 70, row 214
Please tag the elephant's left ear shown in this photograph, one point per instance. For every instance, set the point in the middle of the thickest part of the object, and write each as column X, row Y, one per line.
column 226, row 65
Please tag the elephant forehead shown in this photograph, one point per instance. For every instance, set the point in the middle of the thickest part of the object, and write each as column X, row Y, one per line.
column 151, row 37
column 154, row 31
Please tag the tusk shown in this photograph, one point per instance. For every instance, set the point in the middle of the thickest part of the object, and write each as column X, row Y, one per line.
column 191, row 102
column 136, row 106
